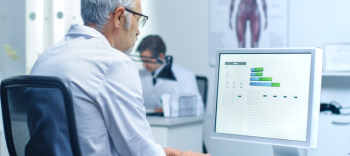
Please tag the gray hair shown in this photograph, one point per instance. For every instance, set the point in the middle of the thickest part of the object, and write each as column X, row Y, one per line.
column 97, row 11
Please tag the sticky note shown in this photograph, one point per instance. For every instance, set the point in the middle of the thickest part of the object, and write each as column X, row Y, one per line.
column 10, row 52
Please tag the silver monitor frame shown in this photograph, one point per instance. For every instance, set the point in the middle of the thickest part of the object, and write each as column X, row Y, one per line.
column 314, row 98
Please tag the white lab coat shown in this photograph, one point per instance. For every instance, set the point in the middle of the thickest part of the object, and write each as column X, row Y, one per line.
column 186, row 84
column 107, row 94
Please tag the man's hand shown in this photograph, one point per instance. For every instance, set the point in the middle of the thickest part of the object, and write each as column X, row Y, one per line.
column 159, row 110
column 172, row 152
column 190, row 153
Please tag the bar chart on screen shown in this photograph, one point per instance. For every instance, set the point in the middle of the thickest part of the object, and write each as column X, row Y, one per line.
column 258, row 80
column 263, row 91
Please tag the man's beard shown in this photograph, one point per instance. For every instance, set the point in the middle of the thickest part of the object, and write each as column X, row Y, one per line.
column 127, row 52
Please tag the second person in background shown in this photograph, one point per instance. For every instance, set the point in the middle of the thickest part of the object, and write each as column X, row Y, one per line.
column 153, row 46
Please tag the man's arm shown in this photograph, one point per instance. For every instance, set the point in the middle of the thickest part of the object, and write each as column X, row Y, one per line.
column 121, row 105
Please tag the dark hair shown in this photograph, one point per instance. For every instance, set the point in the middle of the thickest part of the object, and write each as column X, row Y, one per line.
column 154, row 43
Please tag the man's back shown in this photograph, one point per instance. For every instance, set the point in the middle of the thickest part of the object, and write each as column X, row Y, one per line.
column 106, row 92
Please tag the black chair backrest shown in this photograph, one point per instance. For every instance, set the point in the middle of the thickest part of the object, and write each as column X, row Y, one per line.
column 38, row 116
column 202, row 83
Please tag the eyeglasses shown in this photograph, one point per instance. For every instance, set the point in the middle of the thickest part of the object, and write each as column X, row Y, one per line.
column 141, row 21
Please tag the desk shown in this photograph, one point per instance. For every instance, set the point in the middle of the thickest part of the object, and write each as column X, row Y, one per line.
column 332, row 139
column 185, row 133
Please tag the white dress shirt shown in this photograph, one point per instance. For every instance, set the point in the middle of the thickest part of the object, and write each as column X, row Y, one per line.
column 185, row 84
column 107, row 94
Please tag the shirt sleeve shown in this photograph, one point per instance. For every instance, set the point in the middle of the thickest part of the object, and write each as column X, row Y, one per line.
column 121, row 105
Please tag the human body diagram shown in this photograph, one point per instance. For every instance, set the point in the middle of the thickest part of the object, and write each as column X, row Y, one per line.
column 248, row 10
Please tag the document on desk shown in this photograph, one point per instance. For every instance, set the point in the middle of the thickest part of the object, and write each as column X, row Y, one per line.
column 337, row 57
column 179, row 105
column 264, row 95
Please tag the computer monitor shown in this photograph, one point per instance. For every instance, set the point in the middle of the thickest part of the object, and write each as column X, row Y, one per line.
column 268, row 96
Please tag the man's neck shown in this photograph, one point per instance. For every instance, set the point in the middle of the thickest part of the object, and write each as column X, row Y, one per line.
column 108, row 36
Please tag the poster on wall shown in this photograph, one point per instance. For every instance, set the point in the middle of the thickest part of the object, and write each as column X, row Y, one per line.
column 247, row 24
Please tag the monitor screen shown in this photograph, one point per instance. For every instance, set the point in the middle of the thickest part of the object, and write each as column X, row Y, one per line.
column 263, row 95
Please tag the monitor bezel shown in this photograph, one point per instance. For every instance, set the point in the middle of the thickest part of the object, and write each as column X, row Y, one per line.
column 313, row 113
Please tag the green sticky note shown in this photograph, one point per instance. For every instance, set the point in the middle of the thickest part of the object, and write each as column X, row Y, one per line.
column 10, row 52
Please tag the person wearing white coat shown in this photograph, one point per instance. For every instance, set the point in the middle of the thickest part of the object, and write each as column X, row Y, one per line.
column 153, row 88
column 104, row 81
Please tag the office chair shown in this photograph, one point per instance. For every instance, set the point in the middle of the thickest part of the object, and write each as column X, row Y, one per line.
column 38, row 116
column 202, row 83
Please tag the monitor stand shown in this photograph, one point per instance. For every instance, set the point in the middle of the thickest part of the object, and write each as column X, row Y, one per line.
column 285, row 151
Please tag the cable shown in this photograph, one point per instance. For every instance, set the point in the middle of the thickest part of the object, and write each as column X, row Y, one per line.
column 345, row 108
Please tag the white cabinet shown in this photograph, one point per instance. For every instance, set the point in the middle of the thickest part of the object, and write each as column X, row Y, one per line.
column 333, row 139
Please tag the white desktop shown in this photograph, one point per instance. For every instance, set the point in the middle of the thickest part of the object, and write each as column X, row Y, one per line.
column 268, row 96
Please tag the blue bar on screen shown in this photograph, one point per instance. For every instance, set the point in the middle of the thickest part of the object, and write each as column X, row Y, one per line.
column 254, row 79
column 260, row 84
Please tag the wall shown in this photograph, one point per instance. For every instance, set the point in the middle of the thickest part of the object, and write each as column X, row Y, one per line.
column 184, row 25
column 12, row 24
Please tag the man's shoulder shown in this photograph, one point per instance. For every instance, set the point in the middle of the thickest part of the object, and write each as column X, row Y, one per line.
column 90, row 52
column 177, row 69
column 110, row 54
column 114, row 54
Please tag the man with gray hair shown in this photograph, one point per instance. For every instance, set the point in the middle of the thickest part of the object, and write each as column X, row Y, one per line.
column 105, row 84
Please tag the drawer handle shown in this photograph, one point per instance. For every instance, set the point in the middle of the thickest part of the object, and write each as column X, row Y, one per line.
column 340, row 123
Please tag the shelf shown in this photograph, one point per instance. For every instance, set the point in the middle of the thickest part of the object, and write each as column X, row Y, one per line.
column 336, row 74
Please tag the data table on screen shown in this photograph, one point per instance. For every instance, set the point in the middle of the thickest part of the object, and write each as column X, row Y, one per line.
column 263, row 95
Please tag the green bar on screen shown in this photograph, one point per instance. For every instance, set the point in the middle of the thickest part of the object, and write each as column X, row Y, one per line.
column 259, row 69
column 265, row 78
column 258, row 74
column 275, row 85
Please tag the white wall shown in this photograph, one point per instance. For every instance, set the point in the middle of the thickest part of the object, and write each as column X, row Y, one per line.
column 12, row 14
column 316, row 22
column 184, row 25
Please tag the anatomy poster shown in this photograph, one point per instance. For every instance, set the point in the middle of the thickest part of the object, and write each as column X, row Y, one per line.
column 247, row 24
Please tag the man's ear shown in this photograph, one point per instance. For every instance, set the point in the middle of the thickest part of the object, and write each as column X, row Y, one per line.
column 161, row 55
column 119, row 17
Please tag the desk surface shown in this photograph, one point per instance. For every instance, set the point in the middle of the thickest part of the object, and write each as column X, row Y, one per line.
column 162, row 121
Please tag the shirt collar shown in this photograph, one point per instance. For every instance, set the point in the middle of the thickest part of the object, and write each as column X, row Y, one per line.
column 158, row 70
column 78, row 29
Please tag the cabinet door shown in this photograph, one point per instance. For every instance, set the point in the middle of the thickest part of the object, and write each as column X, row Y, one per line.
column 333, row 139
